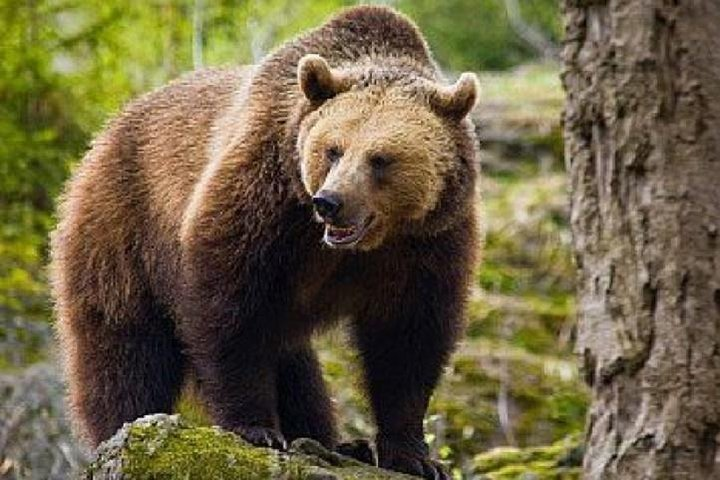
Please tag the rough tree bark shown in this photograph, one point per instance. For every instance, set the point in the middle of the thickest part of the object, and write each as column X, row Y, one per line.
column 642, row 132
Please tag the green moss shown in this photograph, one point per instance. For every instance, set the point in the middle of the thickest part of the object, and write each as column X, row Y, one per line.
column 191, row 408
column 559, row 461
column 200, row 452
column 547, row 398
column 497, row 277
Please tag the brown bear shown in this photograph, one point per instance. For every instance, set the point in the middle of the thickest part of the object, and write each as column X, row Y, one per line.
column 220, row 221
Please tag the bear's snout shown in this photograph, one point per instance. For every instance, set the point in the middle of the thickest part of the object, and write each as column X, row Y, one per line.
column 327, row 205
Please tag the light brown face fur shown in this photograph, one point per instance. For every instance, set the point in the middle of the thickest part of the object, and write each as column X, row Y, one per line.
column 382, row 154
column 380, row 151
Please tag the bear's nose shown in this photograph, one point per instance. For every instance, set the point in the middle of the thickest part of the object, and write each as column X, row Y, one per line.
column 327, row 204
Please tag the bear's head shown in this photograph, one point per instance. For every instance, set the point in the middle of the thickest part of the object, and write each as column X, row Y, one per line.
column 378, row 159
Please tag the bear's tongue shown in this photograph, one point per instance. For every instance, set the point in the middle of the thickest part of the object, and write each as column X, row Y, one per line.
column 340, row 233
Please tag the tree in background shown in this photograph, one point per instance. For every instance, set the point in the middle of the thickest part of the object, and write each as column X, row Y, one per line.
column 642, row 132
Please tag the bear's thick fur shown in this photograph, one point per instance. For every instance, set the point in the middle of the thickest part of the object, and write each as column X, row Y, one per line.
column 188, row 244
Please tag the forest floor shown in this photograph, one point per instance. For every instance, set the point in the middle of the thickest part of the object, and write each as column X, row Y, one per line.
column 512, row 402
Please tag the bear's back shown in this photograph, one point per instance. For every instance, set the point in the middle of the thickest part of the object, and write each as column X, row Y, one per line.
column 154, row 151
column 175, row 134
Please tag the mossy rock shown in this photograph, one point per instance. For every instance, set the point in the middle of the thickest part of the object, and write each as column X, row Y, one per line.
column 164, row 447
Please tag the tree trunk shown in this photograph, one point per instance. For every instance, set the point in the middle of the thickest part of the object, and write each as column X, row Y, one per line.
column 642, row 132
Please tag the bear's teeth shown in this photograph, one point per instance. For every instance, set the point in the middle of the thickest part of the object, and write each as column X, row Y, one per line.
column 341, row 232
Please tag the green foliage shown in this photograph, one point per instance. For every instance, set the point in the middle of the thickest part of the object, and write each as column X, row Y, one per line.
column 559, row 461
column 38, row 141
column 476, row 34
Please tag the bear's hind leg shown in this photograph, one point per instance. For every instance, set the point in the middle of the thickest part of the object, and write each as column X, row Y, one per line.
column 117, row 373
column 304, row 405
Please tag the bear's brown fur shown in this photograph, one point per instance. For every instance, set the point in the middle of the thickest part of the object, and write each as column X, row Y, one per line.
column 186, row 242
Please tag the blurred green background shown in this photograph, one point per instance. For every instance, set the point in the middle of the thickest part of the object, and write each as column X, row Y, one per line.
column 67, row 66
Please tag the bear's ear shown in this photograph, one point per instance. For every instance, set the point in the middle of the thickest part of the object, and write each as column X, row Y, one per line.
column 456, row 100
column 317, row 80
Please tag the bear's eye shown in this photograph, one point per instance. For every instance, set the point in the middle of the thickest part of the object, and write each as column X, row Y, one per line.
column 333, row 154
column 380, row 162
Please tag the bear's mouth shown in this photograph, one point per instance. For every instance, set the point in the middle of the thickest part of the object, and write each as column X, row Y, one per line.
column 346, row 235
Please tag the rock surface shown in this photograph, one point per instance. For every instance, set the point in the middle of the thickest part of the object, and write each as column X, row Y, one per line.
column 164, row 446
column 35, row 437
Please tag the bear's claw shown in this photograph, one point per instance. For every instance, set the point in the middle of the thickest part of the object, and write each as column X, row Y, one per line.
column 360, row 450
column 422, row 467
column 419, row 466
column 262, row 437
column 410, row 457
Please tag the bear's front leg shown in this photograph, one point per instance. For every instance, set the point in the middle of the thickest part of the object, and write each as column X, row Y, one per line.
column 237, row 376
column 404, row 347
column 230, row 331
column 235, row 263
